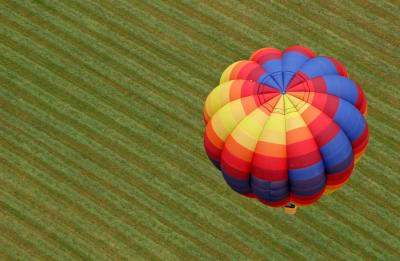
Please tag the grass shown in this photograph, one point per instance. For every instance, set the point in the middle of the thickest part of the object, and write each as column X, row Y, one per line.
column 101, row 153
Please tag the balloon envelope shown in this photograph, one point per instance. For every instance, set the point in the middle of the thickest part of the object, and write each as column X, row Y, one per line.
column 285, row 126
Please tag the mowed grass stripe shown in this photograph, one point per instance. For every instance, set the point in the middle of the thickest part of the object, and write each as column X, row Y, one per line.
column 364, row 228
column 365, row 25
column 91, row 173
column 18, row 245
column 363, row 46
column 368, row 13
column 161, row 53
column 98, row 200
column 28, row 203
column 383, row 218
column 388, row 168
column 59, row 246
column 106, row 100
column 46, row 206
column 117, row 86
column 84, row 210
column 10, row 251
column 383, row 9
column 41, row 165
column 366, row 40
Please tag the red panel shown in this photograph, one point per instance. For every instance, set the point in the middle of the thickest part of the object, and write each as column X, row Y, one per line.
column 228, row 158
column 298, row 78
column 234, row 171
column 324, row 129
column 301, row 87
column 302, row 200
column 301, row 148
column 305, row 160
column 301, row 49
column 269, row 174
column 361, row 102
column 262, row 55
column 248, row 88
column 267, row 162
column 331, row 105
column 318, row 85
column 340, row 177
column 250, row 71
column 212, row 151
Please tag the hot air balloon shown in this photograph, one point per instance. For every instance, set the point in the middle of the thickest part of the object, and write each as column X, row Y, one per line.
column 285, row 127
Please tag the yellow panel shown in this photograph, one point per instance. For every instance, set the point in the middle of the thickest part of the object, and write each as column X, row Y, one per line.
column 274, row 129
column 300, row 105
column 225, row 119
column 217, row 98
column 293, row 118
column 227, row 73
column 248, row 130
column 273, row 136
column 211, row 104
column 294, row 121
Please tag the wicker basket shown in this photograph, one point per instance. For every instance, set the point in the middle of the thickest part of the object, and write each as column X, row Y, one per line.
column 290, row 210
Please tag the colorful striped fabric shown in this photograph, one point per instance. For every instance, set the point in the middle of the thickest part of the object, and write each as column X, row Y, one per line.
column 285, row 126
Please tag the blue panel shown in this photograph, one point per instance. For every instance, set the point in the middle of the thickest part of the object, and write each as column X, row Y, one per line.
column 350, row 120
column 336, row 150
column 240, row 186
column 341, row 166
column 270, row 190
column 308, row 187
column 274, row 69
column 307, row 173
column 318, row 66
column 342, row 87
column 268, row 80
column 287, row 77
column 291, row 62
column 273, row 66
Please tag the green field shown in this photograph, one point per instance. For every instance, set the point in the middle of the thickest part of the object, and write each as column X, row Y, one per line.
column 101, row 131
